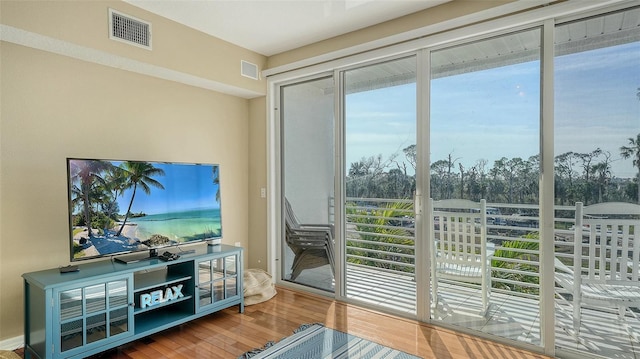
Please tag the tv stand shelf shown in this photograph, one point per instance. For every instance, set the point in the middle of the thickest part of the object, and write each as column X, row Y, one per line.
column 108, row 303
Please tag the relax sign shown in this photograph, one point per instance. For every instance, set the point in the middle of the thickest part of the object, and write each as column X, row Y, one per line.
column 159, row 296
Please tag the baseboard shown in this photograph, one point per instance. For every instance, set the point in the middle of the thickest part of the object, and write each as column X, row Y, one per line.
column 12, row 343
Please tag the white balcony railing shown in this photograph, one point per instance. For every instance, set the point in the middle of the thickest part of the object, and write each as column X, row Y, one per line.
column 380, row 252
column 380, row 233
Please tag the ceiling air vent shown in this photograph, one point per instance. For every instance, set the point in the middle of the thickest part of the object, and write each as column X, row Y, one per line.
column 130, row 30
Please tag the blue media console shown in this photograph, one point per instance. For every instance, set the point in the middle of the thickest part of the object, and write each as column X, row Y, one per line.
column 107, row 303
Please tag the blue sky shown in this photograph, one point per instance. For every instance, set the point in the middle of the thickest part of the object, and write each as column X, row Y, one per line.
column 185, row 187
column 494, row 113
column 596, row 102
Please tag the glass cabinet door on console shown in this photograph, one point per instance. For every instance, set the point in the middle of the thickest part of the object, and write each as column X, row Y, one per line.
column 217, row 281
column 92, row 313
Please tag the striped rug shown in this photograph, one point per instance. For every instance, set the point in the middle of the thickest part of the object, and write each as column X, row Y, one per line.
column 318, row 342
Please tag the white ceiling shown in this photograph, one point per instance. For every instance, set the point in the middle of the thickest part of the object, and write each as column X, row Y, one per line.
column 269, row 27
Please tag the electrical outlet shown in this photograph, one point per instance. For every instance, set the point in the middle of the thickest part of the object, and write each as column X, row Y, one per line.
column 263, row 192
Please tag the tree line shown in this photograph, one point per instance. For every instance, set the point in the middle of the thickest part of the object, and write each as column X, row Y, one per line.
column 585, row 177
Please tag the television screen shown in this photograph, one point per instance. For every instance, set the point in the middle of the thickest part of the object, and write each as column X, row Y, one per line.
column 118, row 207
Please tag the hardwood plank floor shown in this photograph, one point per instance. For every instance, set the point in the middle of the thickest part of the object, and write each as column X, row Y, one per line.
column 228, row 334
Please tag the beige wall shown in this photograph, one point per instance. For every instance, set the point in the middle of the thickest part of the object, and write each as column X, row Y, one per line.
column 54, row 107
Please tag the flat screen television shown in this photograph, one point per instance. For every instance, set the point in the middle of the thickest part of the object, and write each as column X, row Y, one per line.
column 118, row 207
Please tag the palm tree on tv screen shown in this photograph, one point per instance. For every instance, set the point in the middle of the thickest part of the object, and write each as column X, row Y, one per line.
column 215, row 174
column 139, row 175
column 88, row 174
column 117, row 179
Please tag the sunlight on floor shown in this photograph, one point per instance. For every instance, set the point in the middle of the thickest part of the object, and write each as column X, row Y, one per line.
column 509, row 316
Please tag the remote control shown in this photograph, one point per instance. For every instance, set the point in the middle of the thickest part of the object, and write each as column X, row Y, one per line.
column 69, row 268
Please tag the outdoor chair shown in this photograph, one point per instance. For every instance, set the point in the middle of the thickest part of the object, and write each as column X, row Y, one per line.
column 312, row 244
column 460, row 249
column 606, row 265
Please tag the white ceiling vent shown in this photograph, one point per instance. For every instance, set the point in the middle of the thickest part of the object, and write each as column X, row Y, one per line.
column 128, row 29
column 249, row 70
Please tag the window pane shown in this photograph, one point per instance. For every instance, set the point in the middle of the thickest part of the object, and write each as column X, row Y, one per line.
column 484, row 142
column 380, row 149
column 597, row 162
column 308, row 179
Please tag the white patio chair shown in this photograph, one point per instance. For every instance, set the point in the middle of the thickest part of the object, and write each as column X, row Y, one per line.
column 606, row 264
column 460, row 249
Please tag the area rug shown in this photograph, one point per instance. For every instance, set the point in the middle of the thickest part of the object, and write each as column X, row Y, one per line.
column 315, row 341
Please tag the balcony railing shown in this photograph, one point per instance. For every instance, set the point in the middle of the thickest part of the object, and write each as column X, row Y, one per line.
column 380, row 253
column 380, row 271
column 380, row 233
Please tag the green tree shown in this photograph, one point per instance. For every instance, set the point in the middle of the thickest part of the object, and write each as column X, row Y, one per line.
column 587, row 160
column 115, row 185
column 462, row 173
column 411, row 155
column 529, row 179
column 117, row 180
column 565, row 175
column 505, row 172
column 483, row 185
column 602, row 171
column 139, row 175
column 438, row 179
column 633, row 151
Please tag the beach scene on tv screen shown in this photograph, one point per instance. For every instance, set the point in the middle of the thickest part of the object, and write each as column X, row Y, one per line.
column 128, row 206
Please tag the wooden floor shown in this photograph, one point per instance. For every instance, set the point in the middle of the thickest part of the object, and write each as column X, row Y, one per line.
column 228, row 334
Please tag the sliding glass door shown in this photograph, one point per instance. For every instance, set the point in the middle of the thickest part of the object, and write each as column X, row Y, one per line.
column 307, row 134
column 484, row 176
column 597, row 164
column 380, row 152
column 488, row 158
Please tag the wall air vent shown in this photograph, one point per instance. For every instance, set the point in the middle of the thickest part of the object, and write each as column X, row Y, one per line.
column 127, row 29
column 249, row 70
